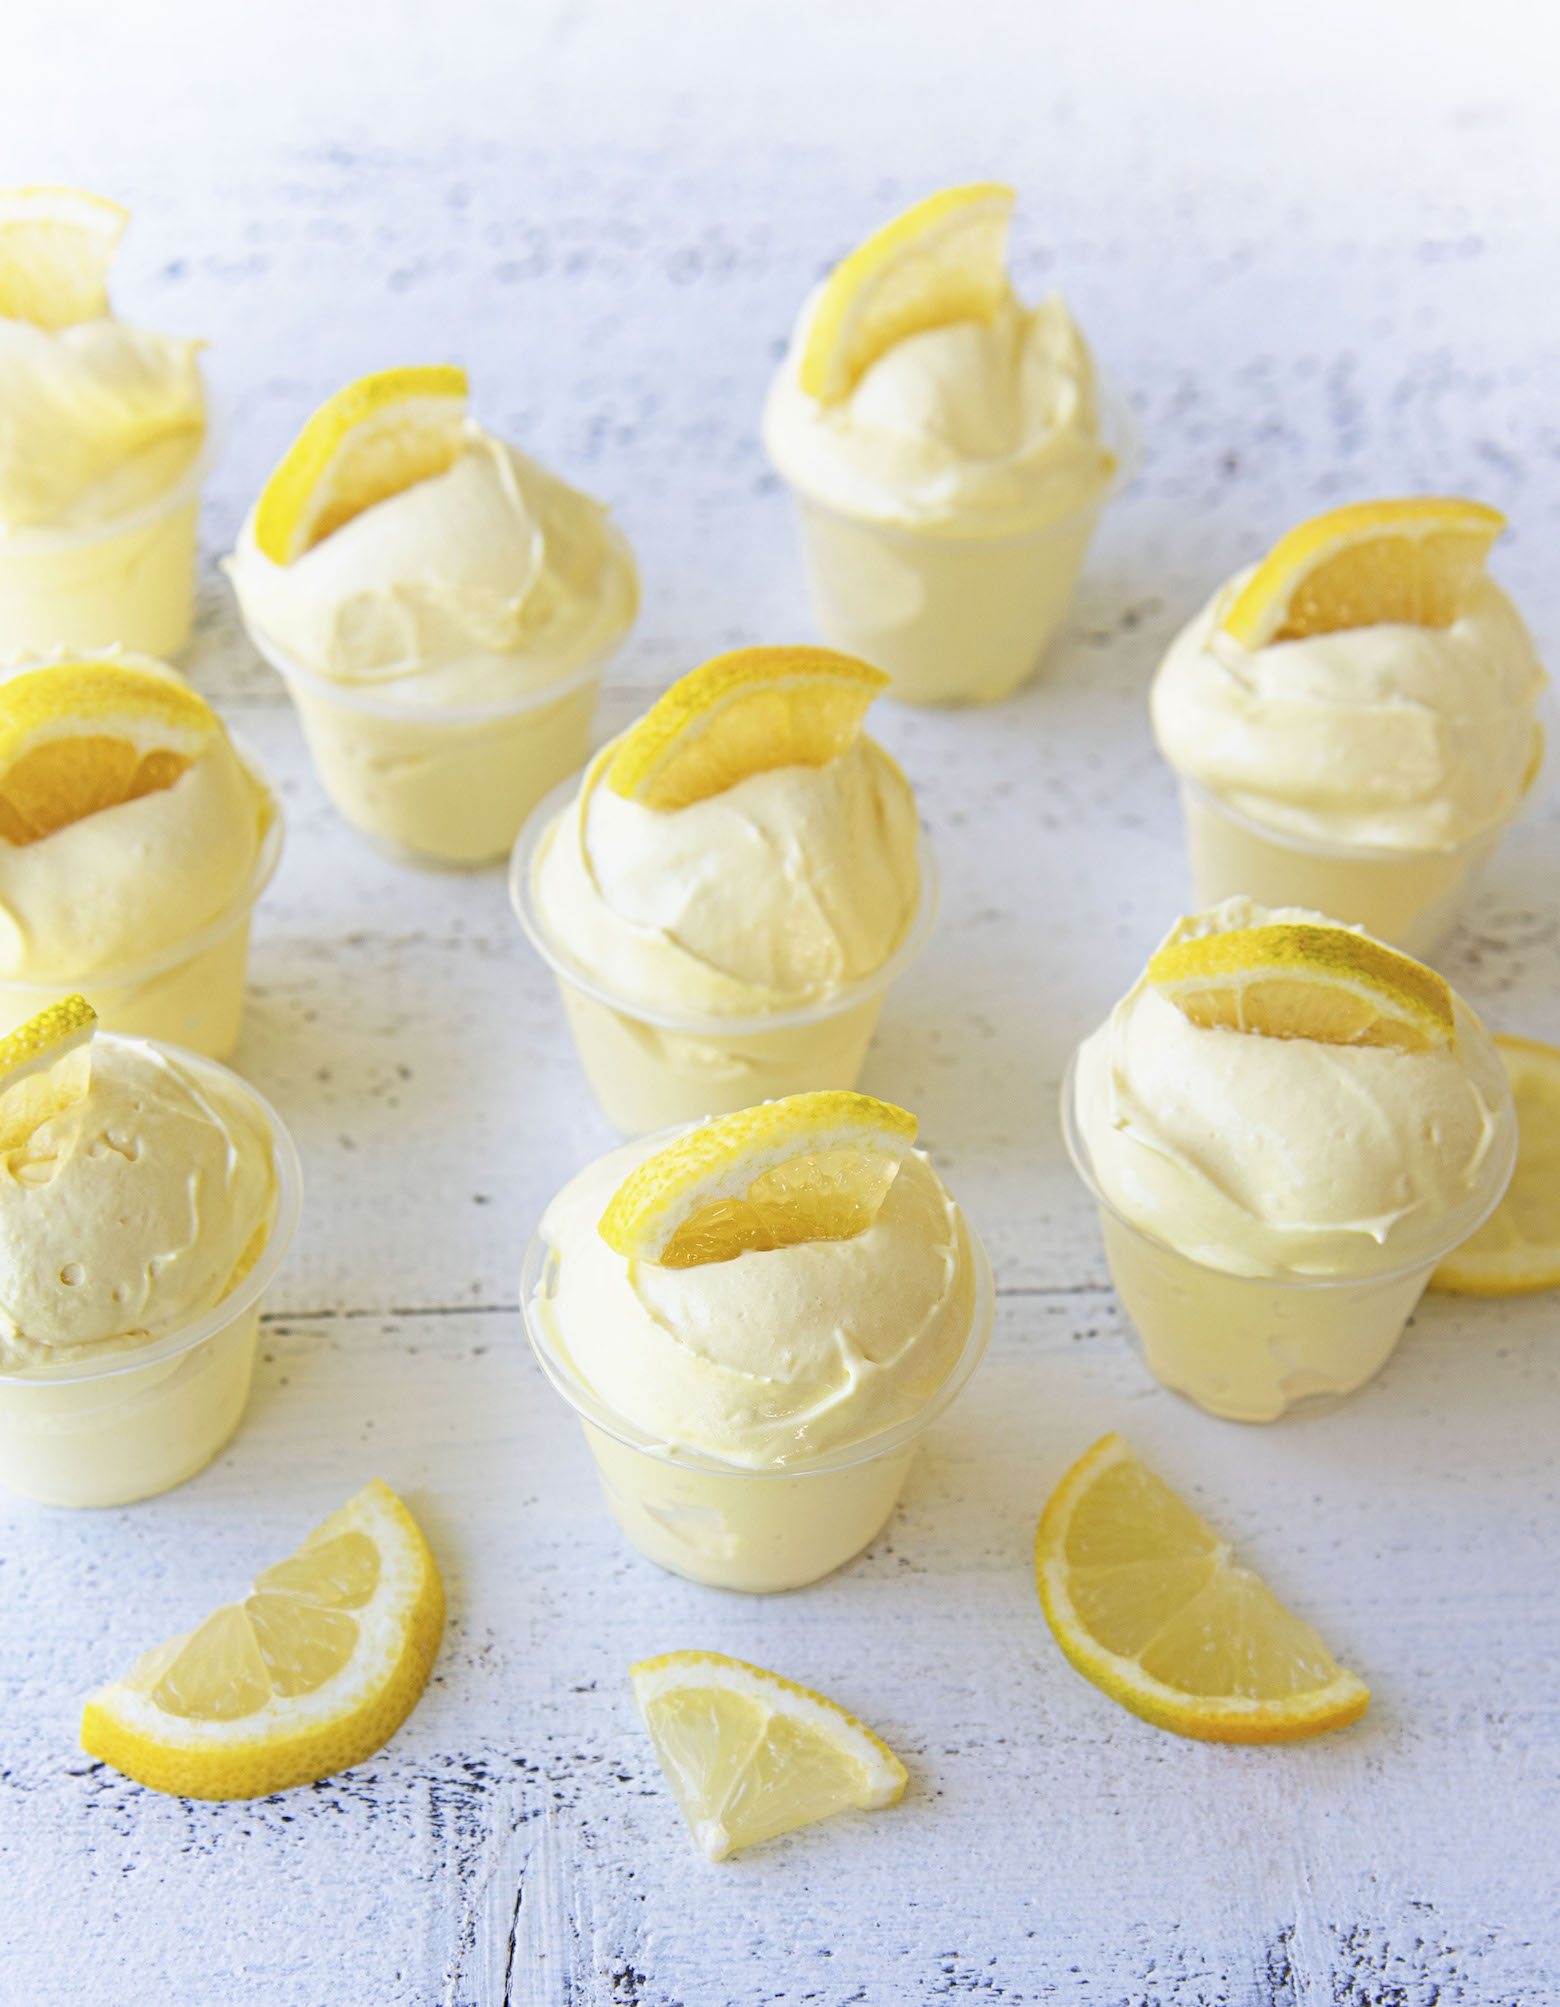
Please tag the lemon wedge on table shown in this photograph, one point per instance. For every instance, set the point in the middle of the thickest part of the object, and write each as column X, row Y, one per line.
column 45, row 1065
column 750, row 1755
column 1418, row 561
column 372, row 440
column 311, row 1673
column 1517, row 1250
column 1143, row 1597
column 1293, row 980
column 809, row 1167
column 743, row 714
column 942, row 261
column 56, row 245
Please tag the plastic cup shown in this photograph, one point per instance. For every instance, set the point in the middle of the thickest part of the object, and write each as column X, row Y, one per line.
column 141, row 1421
column 1255, row 1348
column 951, row 618
column 190, row 994
column 727, row 1525
column 652, row 1069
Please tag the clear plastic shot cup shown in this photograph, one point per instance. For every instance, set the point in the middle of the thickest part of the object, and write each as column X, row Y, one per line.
column 1256, row 1348
column 727, row 1525
column 139, row 1421
column 443, row 784
column 189, row 994
column 953, row 617
column 652, row 1069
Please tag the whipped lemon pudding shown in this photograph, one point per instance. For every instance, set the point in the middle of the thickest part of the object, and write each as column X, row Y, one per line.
column 134, row 841
column 729, row 889
column 102, row 433
column 1287, row 1125
column 947, row 450
column 755, row 1321
column 1354, row 720
column 442, row 608
column 140, row 1193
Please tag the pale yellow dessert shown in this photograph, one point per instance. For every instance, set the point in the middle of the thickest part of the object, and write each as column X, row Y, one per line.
column 134, row 840
column 102, row 430
column 441, row 606
column 946, row 446
column 1287, row 1125
column 760, row 1296
column 138, row 1190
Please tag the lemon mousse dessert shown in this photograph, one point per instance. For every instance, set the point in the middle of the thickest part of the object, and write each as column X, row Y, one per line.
column 134, row 841
column 442, row 609
column 1286, row 1126
column 949, row 449
column 1354, row 721
column 756, row 1320
column 146, row 1198
column 727, row 893
column 103, row 432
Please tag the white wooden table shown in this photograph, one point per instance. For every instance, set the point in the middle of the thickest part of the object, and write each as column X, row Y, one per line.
column 1318, row 247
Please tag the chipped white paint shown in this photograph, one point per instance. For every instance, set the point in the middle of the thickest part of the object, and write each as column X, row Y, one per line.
column 1321, row 268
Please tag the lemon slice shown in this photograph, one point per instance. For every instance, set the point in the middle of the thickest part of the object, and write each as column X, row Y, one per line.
column 1417, row 561
column 1291, row 980
column 945, row 260
column 810, row 1167
column 743, row 714
column 1517, row 1250
column 311, row 1673
column 45, row 1065
column 1142, row 1596
column 56, row 245
column 77, row 737
column 377, row 437
column 750, row 1755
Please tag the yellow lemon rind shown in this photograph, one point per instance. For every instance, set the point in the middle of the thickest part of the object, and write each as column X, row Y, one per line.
column 43, row 1039
column 77, row 698
column 1525, row 1268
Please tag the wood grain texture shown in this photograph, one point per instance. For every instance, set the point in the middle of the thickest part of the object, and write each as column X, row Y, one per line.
column 1323, row 264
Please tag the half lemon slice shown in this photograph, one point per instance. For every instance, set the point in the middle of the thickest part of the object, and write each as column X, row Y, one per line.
column 945, row 260
column 810, row 1167
column 743, row 714
column 1418, row 561
column 1292, row 980
column 1517, row 1250
column 45, row 1065
column 750, row 1755
column 372, row 440
column 1143, row 1597
column 311, row 1673
column 56, row 245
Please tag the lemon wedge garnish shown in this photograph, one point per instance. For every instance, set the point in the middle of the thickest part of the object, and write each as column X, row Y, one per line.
column 1517, row 1250
column 945, row 260
column 1144, row 1599
column 56, row 245
column 372, row 440
column 45, row 1065
column 77, row 737
column 743, row 714
column 1418, row 561
column 750, row 1755
column 810, row 1167
column 311, row 1673
column 1292, row 980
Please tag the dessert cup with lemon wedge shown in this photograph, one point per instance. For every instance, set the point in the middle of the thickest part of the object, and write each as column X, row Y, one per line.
column 950, row 451
column 104, row 442
column 1285, row 1126
column 1354, row 722
column 756, row 1322
column 149, row 1198
column 442, row 609
column 135, row 839
column 729, row 890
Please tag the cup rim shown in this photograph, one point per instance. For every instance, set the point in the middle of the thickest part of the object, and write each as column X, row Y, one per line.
column 1082, row 1163
column 540, row 1261
column 538, row 826
column 228, row 1309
